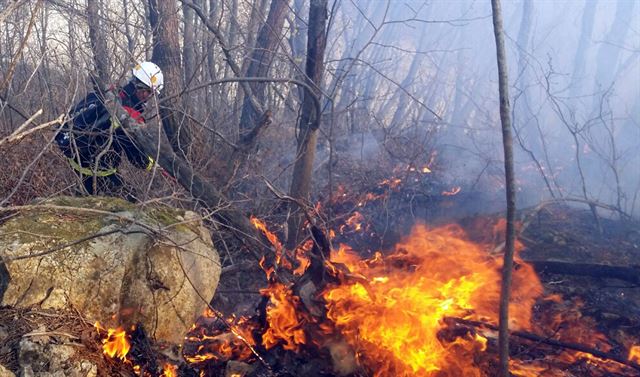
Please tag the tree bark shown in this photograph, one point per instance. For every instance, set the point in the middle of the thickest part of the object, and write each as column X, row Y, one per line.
column 131, row 45
column 507, row 142
column 308, row 124
column 98, row 38
column 261, row 59
column 188, row 52
column 163, row 17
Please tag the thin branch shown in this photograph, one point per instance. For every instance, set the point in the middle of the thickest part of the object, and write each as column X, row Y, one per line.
column 19, row 133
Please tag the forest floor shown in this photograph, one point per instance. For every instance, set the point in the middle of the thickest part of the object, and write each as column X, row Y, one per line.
column 590, row 308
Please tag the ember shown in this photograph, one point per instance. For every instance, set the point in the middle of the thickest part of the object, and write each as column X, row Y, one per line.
column 452, row 192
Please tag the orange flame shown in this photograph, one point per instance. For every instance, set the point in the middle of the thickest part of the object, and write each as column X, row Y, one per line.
column 169, row 370
column 261, row 226
column 396, row 312
column 634, row 354
column 354, row 223
column 218, row 344
column 273, row 239
column 116, row 343
column 302, row 257
column 392, row 183
column 284, row 326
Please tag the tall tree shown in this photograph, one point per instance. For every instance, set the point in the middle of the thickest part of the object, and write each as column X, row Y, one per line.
column 261, row 61
column 188, row 49
column 507, row 142
column 127, row 28
column 610, row 49
column 98, row 38
column 579, row 60
column 308, row 122
column 163, row 17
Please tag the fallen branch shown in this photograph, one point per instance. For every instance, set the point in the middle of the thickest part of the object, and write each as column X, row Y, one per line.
column 551, row 342
column 630, row 274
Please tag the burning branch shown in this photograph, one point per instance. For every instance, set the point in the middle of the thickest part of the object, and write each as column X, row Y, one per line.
column 552, row 342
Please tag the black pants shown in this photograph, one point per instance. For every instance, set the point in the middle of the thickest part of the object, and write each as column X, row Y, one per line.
column 111, row 185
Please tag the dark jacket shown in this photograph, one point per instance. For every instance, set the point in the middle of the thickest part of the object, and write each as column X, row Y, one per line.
column 90, row 132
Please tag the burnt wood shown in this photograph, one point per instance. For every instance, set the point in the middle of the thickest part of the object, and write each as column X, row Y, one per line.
column 626, row 273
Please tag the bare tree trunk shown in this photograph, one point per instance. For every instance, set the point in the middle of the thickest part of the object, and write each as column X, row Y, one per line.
column 148, row 31
column 163, row 17
column 307, row 128
column 258, row 9
column 261, row 59
column 507, row 142
column 45, row 74
column 579, row 61
column 232, row 30
column 188, row 56
column 609, row 51
column 98, row 38
column 297, row 37
column 188, row 53
column 215, row 97
column 127, row 29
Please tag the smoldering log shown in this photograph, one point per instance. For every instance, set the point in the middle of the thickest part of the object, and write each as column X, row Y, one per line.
column 630, row 273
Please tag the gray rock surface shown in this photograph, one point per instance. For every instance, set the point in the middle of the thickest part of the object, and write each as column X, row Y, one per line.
column 113, row 261
column 4, row 372
column 39, row 356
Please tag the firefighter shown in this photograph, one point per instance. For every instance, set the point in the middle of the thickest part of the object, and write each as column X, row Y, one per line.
column 93, row 141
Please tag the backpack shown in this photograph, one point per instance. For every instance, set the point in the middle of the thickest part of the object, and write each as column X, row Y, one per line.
column 86, row 115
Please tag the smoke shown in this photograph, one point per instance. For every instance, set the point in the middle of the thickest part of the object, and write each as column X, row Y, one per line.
column 574, row 72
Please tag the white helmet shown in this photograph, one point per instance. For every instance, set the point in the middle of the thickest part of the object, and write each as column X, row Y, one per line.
column 150, row 75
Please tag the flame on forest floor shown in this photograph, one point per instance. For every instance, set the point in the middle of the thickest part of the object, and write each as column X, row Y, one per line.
column 218, row 344
column 392, row 310
column 285, row 327
column 394, row 316
column 634, row 354
column 115, row 343
column 169, row 370
column 299, row 257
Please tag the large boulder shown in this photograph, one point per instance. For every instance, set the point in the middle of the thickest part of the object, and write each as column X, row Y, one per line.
column 111, row 260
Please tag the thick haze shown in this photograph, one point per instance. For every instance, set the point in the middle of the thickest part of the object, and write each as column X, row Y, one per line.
column 415, row 79
column 574, row 73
